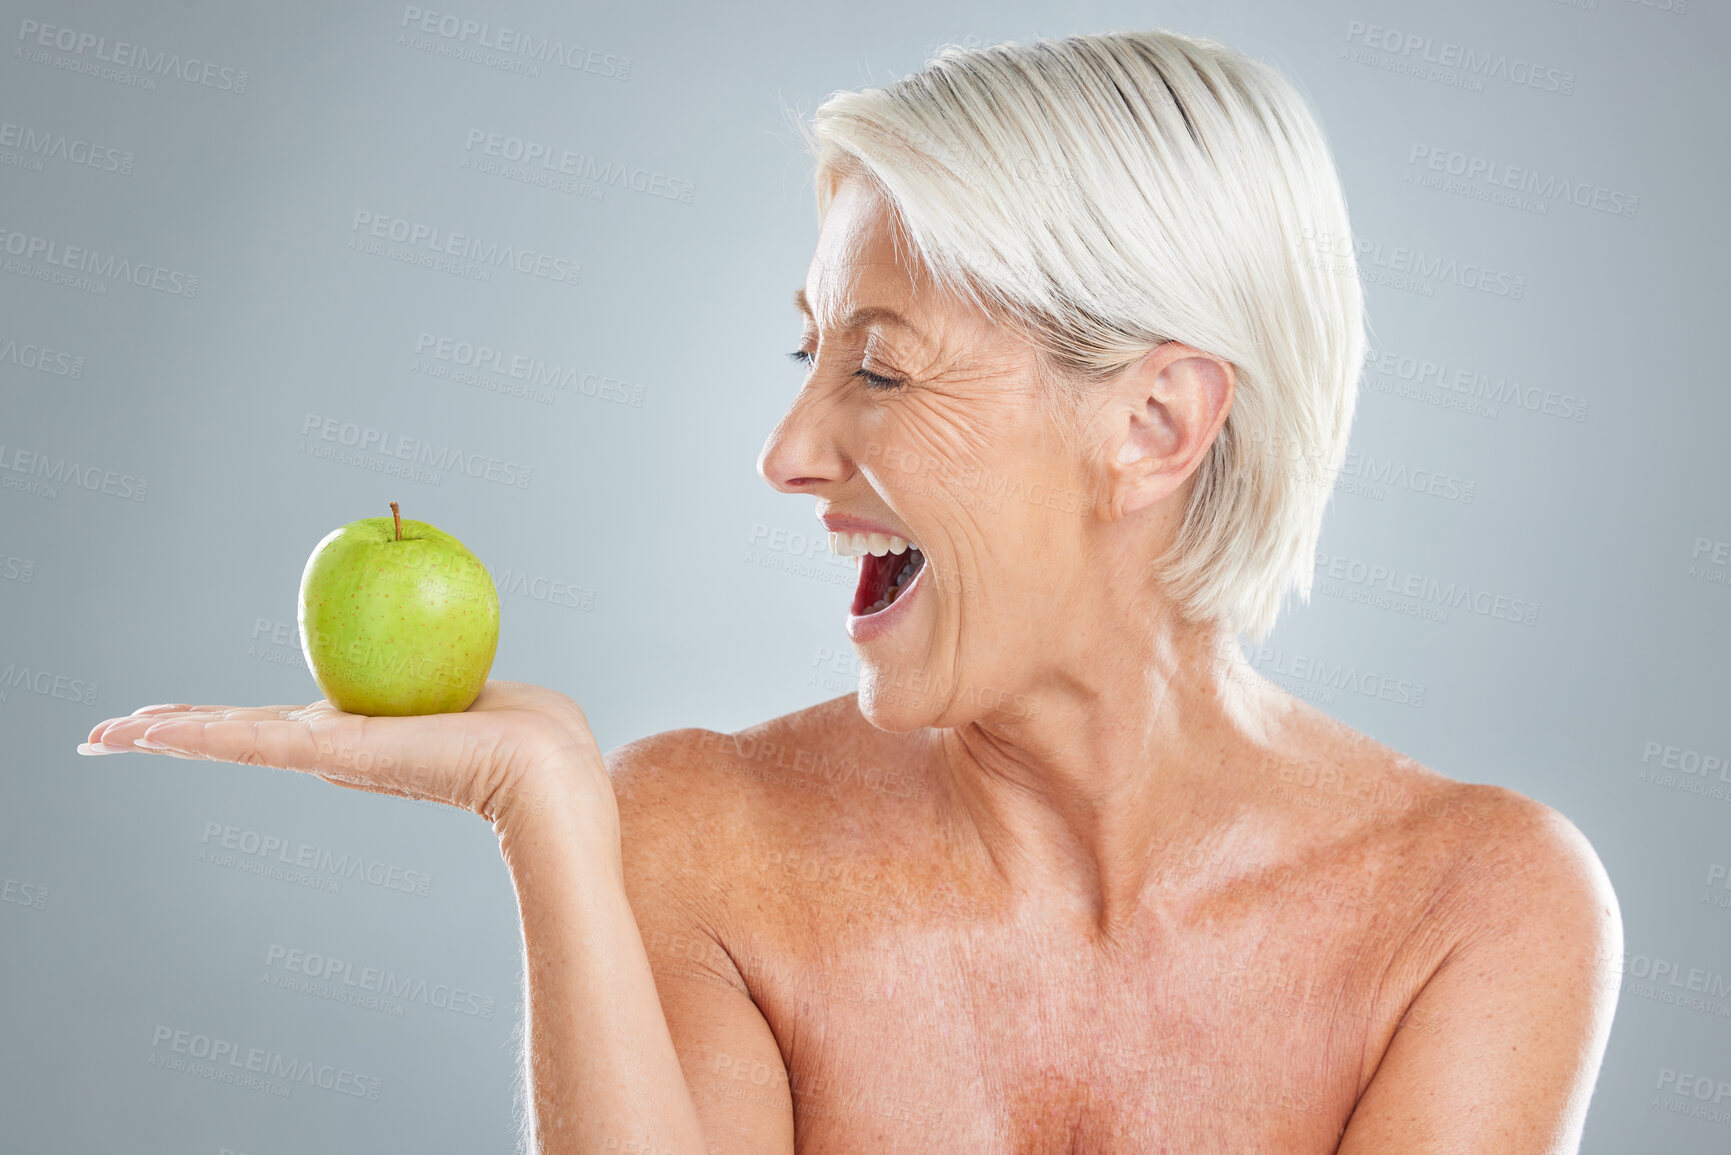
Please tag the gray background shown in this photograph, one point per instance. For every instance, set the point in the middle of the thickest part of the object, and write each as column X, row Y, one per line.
column 700, row 596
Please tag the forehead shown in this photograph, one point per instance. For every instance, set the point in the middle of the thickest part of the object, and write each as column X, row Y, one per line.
column 863, row 261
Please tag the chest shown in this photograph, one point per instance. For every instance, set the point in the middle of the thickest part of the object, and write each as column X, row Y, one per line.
column 1240, row 1018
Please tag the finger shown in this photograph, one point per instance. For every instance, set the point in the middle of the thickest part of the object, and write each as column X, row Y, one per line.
column 351, row 750
column 99, row 748
column 157, row 710
column 181, row 710
column 125, row 731
column 106, row 738
column 283, row 709
column 250, row 737
column 406, row 756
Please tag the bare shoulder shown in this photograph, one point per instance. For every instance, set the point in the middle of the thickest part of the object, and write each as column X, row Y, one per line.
column 669, row 775
column 1508, row 966
column 1528, row 879
column 1506, row 866
column 707, row 790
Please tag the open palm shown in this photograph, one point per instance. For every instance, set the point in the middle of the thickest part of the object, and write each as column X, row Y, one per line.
column 485, row 759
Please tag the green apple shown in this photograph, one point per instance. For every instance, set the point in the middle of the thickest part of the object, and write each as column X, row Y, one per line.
column 397, row 617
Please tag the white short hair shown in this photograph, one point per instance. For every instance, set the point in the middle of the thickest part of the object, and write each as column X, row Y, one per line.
column 1106, row 193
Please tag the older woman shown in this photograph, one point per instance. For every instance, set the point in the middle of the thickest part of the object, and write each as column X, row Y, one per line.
column 1067, row 874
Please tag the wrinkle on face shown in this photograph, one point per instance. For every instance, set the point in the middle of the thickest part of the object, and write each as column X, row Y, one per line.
column 968, row 423
column 1027, row 599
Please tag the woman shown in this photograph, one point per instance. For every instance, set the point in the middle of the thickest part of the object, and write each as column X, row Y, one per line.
column 1067, row 874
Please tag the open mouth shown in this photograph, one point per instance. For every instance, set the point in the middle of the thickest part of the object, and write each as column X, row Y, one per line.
column 888, row 565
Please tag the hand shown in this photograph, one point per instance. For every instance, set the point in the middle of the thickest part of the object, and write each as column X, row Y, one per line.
column 488, row 759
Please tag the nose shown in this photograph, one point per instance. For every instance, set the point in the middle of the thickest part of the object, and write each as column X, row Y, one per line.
column 803, row 451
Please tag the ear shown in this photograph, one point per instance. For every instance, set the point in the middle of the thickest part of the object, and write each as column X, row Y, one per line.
column 1165, row 412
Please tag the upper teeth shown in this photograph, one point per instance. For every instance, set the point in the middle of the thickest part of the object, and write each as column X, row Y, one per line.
column 859, row 544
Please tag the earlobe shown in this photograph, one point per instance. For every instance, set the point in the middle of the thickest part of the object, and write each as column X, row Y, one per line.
column 1132, row 477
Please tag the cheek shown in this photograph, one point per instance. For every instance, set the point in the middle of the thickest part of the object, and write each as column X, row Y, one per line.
column 948, row 445
column 962, row 474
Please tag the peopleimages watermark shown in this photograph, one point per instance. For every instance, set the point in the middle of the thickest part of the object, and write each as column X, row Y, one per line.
column 958, row 160
column 26, row 894
column 444, row 250
column 1467, row 390
column 564, row 170
column 541, row 588
column 1517, row 186
column 1318, row 679
column 709, row 961
column 1367, row 475
column 393, row 454
column 841, row 671
column 1362, row 474
column 1692, row 1094
column 1672, row 7
column 368, row 987
column 814, row 770
column 1676, row 984
column 25, row 146
column 1718, row 877
column 17, row 569
column 105, row 59
column 46, row 683
column 801, row 554
column 42, row 475
column 257, row 1069
column 1375, row 797
column 1419, row 595
column 276, row 642
column 255, row 852
column 1691, row 771
column 480, row 42
column 40, row 358
column 969, row 484
column 1710, row 561
column 516, row 373
column 1461, row 66
column 86, row 269
column 1404, row 267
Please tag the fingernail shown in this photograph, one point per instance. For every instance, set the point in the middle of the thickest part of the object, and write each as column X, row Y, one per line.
column 102, row 748
column 157, row 707
column 150, row 745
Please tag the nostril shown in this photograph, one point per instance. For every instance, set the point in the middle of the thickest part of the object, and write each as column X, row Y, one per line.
column 802, row 454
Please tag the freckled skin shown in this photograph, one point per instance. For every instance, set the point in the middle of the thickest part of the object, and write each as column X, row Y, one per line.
column 925, row 1002
column 1067, row 874
column 397, row 627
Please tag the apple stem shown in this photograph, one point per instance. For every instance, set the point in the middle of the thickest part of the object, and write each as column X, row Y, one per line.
column 397, row 517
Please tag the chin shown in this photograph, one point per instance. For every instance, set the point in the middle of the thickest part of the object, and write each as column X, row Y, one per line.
column 894, row 708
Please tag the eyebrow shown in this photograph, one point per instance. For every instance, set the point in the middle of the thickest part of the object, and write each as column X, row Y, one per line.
column 861, row 317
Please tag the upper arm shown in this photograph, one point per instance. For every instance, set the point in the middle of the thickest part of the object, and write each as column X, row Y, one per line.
column 676, row 817
column 1503, row 1042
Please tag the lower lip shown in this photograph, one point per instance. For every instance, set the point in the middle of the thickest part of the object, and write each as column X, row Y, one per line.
column 865, row 627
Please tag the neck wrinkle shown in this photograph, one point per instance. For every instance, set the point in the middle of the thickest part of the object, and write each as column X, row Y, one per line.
column 1091, row 824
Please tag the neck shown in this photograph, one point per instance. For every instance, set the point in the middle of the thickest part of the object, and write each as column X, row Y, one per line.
column 1124, row 759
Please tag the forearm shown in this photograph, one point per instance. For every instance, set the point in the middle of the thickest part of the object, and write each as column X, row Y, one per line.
column 602, row 1074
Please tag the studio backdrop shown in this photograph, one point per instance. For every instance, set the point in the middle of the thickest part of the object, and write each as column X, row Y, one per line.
column 525, row 268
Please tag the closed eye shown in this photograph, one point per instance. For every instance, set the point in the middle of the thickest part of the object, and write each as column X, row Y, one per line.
column 876, row 380
column 873, row 380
